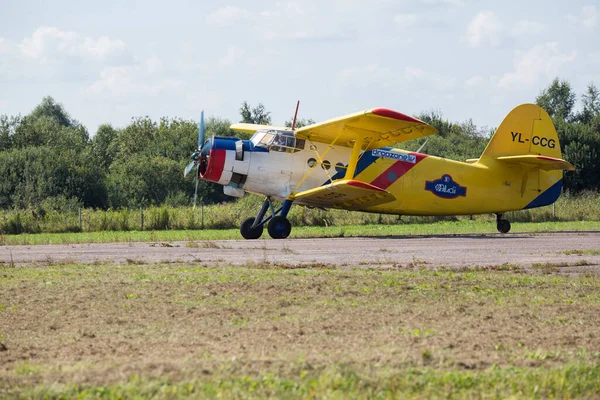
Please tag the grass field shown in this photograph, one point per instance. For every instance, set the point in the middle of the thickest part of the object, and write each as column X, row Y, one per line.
column 207, row 331
column 444, row 227
column 582, row 207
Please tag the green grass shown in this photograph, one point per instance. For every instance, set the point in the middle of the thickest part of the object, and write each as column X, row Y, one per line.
column 583, row 207
column 341, row 382
column 439, row 228
column 591, row 252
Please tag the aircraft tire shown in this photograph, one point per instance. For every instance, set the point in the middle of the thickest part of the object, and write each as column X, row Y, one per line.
column 279, row 227
column 503, row 226
column 247, row 231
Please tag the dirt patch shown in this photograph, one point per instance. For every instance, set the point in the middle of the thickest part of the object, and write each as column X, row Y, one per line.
column 101, row 324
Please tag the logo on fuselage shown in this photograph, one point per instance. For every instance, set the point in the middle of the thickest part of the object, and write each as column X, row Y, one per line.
column 393, row 155
column 446, row 188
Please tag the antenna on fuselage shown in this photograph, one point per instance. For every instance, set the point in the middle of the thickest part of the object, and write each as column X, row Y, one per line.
column 295, row 116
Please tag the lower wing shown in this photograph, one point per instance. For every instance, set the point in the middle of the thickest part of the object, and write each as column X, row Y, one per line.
column 345, row 194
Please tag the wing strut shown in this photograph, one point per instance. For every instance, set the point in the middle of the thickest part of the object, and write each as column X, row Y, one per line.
column 356, row 149
column 320, row 158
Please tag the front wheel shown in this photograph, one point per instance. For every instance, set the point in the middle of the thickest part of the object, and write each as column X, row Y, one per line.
column 248, row 232
column 503, row 225
column 279, row 227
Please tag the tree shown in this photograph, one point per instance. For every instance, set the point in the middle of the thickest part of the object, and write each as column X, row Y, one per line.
column 142, row 180
column 257, row 115
column 50, row 108
column 300, row 122
column 7, row 130
column 558, row 100
column 49, row 125
column 591, row 104
column 35, row 173
column 102, row 147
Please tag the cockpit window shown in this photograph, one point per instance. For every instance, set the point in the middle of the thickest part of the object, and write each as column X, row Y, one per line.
column 283, row 141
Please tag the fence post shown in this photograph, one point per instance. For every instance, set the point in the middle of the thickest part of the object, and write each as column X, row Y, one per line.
column 141, row 219
column 202, row 214
column 554, row 210
column 80, row 221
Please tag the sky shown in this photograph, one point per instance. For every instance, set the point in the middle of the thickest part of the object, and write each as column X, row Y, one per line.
column 110, row 61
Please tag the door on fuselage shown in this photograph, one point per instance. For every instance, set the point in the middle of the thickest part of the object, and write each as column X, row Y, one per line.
column 279, row 163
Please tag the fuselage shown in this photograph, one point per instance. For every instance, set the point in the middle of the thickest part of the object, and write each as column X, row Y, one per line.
column 421, row 184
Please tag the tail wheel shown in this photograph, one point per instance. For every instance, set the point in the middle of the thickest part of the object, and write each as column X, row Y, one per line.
column 279, row 227
column 248, row 232
column 503, row 225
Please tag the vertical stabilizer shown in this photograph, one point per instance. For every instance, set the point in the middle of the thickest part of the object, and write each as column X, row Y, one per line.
column 526, row 130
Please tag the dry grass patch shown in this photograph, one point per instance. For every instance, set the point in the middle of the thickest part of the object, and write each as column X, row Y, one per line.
column 172, row 330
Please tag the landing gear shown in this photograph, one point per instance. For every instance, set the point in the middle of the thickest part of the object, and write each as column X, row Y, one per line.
column 279, row 227
column 248, row 232
column 503, row 225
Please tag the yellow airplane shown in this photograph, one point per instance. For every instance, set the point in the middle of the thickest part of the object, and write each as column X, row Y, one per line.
column 348, row 163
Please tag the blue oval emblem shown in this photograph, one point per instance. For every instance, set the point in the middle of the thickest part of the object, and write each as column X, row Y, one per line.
column 446, row 188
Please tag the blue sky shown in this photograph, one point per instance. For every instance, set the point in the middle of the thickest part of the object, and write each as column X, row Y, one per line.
column 109, row 61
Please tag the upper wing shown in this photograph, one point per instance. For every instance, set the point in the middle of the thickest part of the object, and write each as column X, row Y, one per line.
column 345, row 194
column 378, row 127
column 251, row 128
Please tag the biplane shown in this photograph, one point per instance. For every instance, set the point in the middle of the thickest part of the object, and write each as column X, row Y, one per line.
column 349, row 163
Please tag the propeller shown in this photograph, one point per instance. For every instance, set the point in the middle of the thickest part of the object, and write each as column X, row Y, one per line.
column 197, row 156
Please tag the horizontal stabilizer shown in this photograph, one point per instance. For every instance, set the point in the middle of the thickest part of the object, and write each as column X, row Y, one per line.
column 542, row 162
column 346, row 194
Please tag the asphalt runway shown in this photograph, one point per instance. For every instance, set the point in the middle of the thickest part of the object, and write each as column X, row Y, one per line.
column 435, row 251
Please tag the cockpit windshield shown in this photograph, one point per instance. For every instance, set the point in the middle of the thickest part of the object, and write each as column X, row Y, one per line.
column 275, row 140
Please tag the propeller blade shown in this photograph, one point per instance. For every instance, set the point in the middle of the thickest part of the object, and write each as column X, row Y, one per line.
column 201, row 130
column 188, row 168
column 196, row 191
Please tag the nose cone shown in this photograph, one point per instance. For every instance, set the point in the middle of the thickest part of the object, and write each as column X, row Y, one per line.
column 212, row 160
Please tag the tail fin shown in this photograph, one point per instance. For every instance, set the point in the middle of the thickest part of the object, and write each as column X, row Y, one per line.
column 526, row 130
column 527, row 138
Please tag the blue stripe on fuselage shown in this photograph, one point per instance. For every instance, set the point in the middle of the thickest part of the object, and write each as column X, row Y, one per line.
column 228, row 143
column 364, row 162
column 367, row 159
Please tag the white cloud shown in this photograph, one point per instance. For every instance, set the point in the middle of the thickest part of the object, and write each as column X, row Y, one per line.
column 147, row 78
column 374, row 75
column 232, row 56
column 3, row 45
column 286, row 20
column 475, row 81
column 49, row 44
column 412, row 73
column 526, row 27
column 485, row 29
column 428, row 79
column 588, row 18
column 364, row 76
column 301, row 20
column 227, row 16
column 541, row 60
column 459, row 3
column 406, row 20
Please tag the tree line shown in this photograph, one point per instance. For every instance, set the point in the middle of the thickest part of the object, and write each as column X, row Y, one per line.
column 48, row 159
